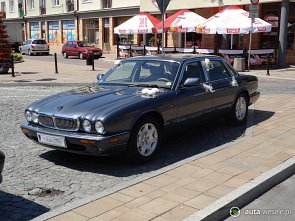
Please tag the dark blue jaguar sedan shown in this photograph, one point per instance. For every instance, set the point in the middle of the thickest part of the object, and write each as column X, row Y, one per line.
column 137, row 101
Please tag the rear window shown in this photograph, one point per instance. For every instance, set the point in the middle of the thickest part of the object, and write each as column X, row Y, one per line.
column 39, row 42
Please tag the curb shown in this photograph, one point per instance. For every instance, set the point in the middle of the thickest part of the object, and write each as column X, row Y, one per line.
column 219, row 210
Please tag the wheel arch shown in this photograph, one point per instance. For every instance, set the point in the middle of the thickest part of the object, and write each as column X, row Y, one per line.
column 243, row 91
column 149, row 113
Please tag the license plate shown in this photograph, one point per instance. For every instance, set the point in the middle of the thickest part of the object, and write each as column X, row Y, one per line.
column 53, row 140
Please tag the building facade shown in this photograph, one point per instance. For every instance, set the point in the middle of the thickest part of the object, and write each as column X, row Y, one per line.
column 93, row 21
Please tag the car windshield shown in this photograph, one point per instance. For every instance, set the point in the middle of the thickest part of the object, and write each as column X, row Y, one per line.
column 83, row 44
column 39, row 42
column 151, row 73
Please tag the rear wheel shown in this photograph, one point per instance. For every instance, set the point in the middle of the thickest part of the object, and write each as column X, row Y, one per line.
column 81, row 56
column 239, row 111
column 65, row 54
column 145, row 140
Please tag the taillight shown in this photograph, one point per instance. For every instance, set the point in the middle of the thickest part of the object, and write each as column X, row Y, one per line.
column 48, row 46
column 32, row 46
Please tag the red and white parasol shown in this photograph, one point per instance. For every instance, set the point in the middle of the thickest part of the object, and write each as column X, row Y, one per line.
column 139, row 24
column 232, row 20
column 182, row 21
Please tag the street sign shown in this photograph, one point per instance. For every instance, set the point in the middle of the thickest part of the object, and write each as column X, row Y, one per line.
column 253, row 11
column 254, row 2
column 162, row 4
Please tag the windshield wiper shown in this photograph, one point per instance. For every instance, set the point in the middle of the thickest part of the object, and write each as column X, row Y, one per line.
column 143, row 85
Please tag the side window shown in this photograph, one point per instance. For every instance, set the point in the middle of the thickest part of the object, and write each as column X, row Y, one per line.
column 217, row 71
column 193, row 70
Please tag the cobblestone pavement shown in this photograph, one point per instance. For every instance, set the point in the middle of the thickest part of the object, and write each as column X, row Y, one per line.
column 38, row 179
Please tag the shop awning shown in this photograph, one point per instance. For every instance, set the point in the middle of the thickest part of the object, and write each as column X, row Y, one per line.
column 139, row 24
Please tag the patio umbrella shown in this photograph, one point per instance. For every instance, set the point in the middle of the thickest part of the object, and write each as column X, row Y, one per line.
column 139, row 24
column 182, row 21
column 233, row 20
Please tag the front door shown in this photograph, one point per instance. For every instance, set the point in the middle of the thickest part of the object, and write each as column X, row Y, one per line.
column 193, row 101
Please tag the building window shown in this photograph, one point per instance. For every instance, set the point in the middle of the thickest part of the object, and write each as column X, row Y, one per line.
column 31, row 4
column 43, row 33
column 53, row 32
column 55, row 2
column 106, row 3
column 91, row 30
column 70, row 6
column 34, row 29
column 68, row 31
column 2, row 7
column 42, row 7
column 11, row 5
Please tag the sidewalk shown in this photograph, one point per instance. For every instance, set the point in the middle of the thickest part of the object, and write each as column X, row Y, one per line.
column 203, row 186
column 34, row 71
column 194, row 184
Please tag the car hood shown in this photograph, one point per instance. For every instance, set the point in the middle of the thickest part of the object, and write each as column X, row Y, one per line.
column 92, row 102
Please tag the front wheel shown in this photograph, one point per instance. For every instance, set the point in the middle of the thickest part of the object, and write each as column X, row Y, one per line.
column 239, row 110
column 65, row 55
column 145, row 140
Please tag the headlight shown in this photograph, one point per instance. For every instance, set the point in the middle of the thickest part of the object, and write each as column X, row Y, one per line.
column 99, row 127
column 86, row 125
column 35, row 117
column 28, row 116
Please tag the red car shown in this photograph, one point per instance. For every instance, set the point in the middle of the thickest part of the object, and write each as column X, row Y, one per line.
column 81, row 49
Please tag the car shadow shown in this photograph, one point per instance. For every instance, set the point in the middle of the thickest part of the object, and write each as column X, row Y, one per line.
column 15, row 207
column 176, row 147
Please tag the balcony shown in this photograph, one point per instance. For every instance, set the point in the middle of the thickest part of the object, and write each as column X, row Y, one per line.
column 42, row 10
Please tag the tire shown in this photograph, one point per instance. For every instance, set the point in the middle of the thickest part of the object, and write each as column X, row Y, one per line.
column 239, row 110
column 65, row 54
column 145, row 140
column 81, row 56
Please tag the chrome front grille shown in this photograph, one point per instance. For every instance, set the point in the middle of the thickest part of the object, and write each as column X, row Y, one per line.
column 61, row 123
column 46, row 121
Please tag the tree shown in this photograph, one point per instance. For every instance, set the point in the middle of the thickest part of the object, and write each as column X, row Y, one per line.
column 5, row 51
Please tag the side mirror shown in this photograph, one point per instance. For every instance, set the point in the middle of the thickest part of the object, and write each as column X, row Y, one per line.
column 190, row 82
column 99, row 76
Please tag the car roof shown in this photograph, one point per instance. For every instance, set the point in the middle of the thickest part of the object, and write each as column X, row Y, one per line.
column 174, row 57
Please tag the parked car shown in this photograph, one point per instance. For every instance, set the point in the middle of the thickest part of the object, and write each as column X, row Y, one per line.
column 2, row 159
column 35, row 46
column 80, row 49
column 139, row 100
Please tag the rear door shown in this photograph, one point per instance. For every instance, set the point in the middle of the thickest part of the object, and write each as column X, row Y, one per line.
column 221, row 81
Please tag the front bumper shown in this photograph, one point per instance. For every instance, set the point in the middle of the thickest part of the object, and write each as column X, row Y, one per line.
column 82, row 143
column 254, row 97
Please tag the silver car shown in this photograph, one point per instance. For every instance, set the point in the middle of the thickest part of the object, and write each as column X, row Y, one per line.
column 34, row 46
